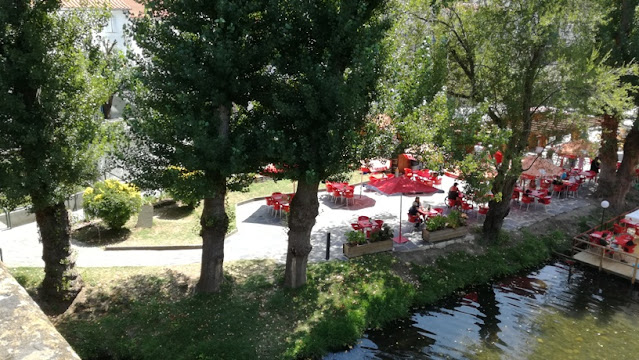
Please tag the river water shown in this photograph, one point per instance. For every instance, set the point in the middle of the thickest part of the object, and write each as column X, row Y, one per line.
column 551, row 313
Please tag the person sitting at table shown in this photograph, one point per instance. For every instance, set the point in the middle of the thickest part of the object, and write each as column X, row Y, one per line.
column 414, row 211
column 594, row 165
column 532, row 186
column 557, row 181
column 420, row 208
column 564, row 175
column 454, row 194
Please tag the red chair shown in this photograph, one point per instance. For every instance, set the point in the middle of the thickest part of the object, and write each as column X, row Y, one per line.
column 348, row 195
column 545, row 184
column 362, row 218
column 277, row 207
column 467, row 207
column 515, row 196
column 286, row 208
column 573, row 188
column 629, row 249
column 390, row 176
column 526, row 200
column 483, row 210
column 356, row 227
column 451, row 203
column 414, row 219
column 440, row 211
column 329, row 187
column 557, row 189
column 619, row 229
column 408, row 172
column 336, row 195
column 378, row 224
column 545, row 201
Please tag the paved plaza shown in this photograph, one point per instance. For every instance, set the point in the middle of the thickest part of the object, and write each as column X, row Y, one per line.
column 261, row 235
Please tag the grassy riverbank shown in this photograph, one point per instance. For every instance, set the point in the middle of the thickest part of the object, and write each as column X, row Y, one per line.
column 148, row 313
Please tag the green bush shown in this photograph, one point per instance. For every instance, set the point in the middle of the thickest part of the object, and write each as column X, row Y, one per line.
column 112, row 201
column 436, row 223
column 355, row 238
column 455, row 219
column 385, row 233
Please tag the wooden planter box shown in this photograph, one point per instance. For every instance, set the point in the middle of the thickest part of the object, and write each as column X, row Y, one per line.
column 445, row 234
column 368, row 248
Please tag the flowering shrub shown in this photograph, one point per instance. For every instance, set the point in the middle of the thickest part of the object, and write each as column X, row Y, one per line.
column 184, row 185
column 112, row 201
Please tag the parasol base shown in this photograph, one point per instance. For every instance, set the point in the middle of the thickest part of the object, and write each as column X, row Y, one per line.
column 400, row 239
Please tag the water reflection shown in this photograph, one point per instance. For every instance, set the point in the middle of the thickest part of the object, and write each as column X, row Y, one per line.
column 549, row 314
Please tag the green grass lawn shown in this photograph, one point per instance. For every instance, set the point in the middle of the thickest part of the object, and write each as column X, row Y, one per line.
column 174, row 225
column 150, row 313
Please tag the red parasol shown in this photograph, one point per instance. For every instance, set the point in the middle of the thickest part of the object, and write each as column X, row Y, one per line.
column 533, row 166
column 403, row 185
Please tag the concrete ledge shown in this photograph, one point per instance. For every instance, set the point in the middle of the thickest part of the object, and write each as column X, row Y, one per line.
column 25, row 331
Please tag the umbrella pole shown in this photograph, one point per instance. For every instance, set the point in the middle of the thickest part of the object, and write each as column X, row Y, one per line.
column 401, row 197
column 361, row 183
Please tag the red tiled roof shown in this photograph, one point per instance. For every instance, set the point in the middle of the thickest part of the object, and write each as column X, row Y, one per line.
column 113, row 4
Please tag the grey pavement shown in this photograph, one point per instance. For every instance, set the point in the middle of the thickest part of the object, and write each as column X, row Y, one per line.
column 262, row 235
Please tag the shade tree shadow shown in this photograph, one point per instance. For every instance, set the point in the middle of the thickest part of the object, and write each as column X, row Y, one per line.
column 173, row 212
column 97, row 234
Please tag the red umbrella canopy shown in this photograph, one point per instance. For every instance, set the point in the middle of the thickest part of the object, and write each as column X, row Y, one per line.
column 403, row 185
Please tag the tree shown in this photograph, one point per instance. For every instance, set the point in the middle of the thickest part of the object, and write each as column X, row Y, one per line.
column 513, row 58
column 619, row 41
column 202, row 64
column 328, row 63
column 50, row 134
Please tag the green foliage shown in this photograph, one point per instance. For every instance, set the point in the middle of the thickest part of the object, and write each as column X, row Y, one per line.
column 436, row 223
column 323, row 84
column 51, row 87
column 112, row 201
column 385, row 233
column 355, row 238
column 455, row 219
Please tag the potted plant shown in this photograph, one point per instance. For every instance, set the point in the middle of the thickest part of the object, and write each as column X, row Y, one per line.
column 357, row 245
column 441, row 228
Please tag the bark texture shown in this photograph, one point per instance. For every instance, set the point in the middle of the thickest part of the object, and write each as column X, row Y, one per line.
column 497, row 211
column 61, row 282
column 214, row 222
column 608, row 157
column 626, row 172
column 304, row 210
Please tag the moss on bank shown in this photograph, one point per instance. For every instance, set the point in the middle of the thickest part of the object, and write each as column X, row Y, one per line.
column 150, row 314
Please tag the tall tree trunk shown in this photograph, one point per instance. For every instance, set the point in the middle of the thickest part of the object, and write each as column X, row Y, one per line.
column 626, row 172
column 214, row 223
column 304, row 210
column 608, row 157
column 61, row 281
column 106, row 107
column 214, row 220
column 497, row 211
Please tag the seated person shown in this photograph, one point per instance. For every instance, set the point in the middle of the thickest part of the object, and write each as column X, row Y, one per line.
column 414, row 211
column 557, row 181
column 420, row 208
column 564, row 175
column 531, row 187
column 454, row 194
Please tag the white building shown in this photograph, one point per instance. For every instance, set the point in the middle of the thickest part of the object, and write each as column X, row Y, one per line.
column 122, row 11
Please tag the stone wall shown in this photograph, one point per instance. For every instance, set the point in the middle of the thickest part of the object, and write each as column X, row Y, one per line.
column 25, row 331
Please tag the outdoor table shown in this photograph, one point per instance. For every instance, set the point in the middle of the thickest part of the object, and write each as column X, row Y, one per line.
column 600, row 234
column 622, row 239
column 432, row 213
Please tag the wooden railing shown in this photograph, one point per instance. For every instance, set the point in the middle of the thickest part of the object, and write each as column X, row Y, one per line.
column 607, row 253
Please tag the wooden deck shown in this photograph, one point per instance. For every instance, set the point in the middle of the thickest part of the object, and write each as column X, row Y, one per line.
column 593, row 258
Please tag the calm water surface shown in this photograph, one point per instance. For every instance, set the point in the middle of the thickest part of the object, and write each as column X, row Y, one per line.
column 548, row 314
